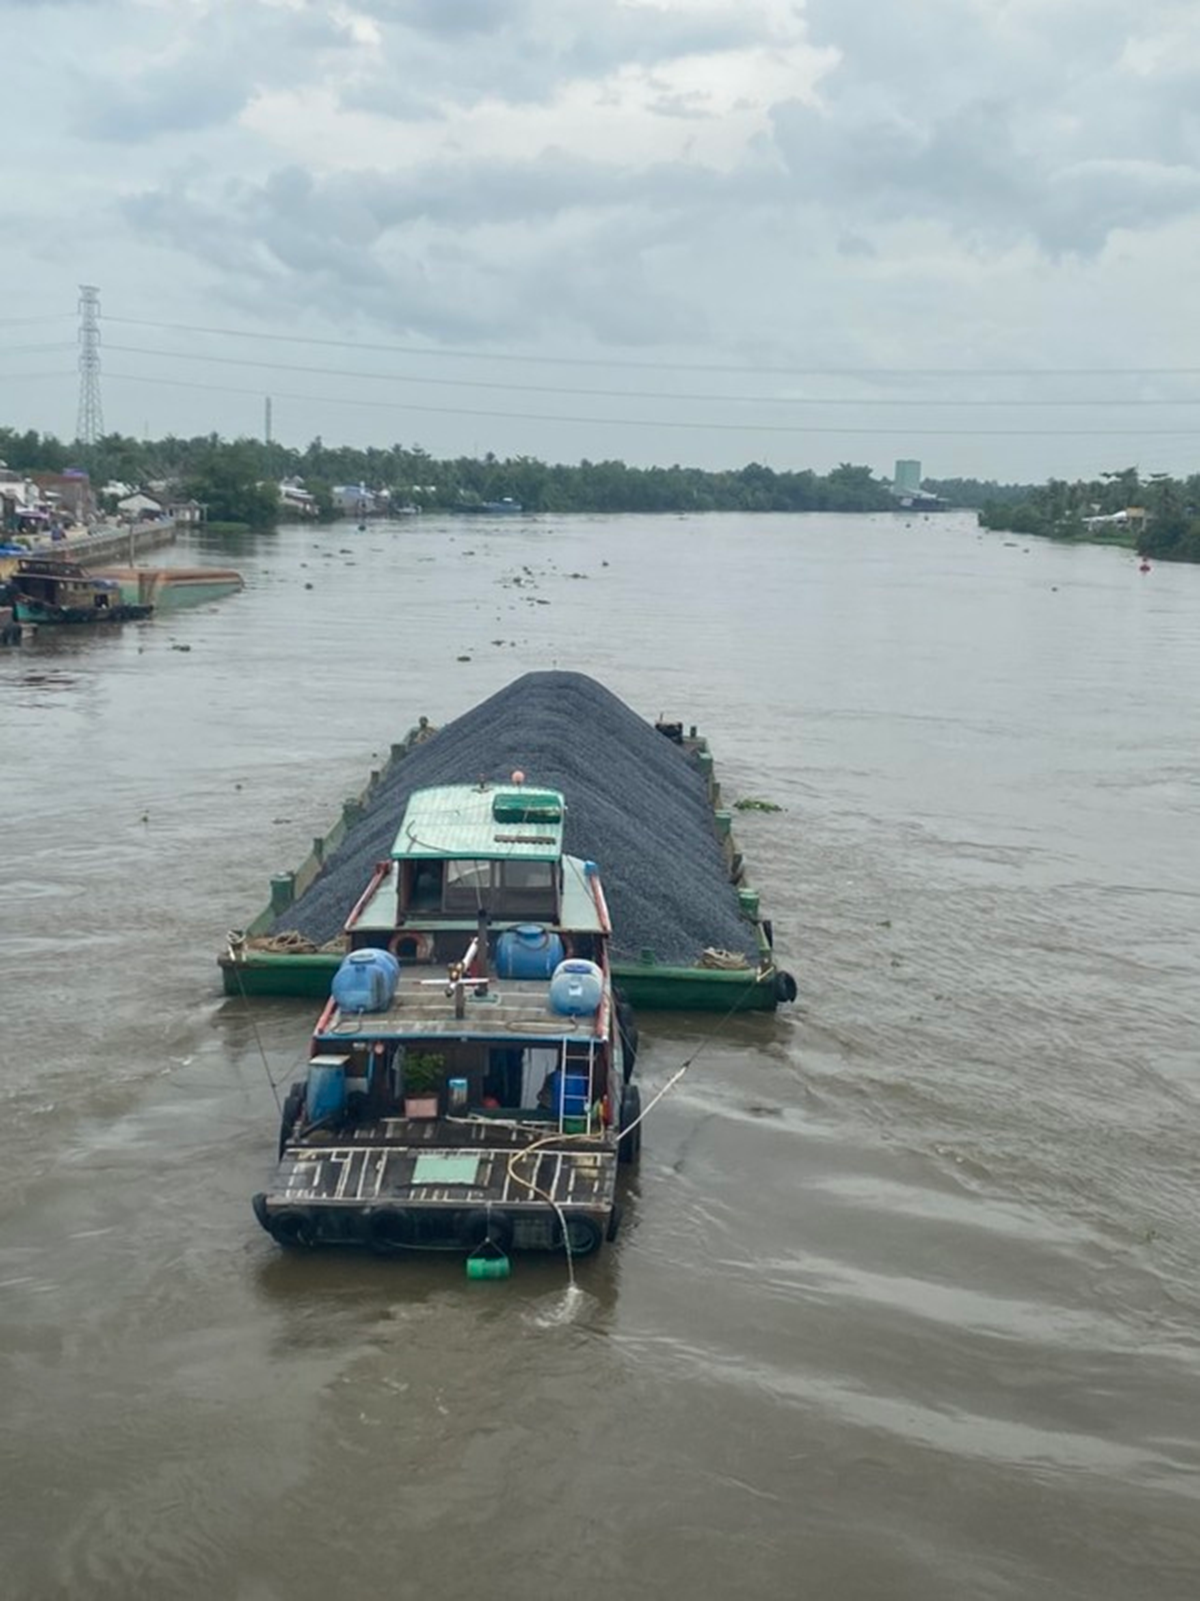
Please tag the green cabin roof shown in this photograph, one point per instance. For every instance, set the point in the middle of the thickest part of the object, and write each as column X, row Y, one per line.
column 491, row 822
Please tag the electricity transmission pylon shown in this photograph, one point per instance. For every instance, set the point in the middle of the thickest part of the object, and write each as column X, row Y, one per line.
column 90, row 422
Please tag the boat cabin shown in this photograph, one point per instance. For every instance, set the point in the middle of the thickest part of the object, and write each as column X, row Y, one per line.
column 61, row 591
column 493, row 848
column 466, row 852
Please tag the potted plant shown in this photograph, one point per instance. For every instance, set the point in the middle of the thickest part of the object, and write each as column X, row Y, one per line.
column 422, row 1082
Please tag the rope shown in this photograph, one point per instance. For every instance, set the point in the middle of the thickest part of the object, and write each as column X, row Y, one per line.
column 289, row 940
column 759, row 978
column 560, row 1138
column 258, row 1038
column 726, row 960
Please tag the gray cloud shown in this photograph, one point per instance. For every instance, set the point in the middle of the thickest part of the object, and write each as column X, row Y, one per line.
column 526, row 52
column 234, row 53
column 1003, row 182
column 954, row 114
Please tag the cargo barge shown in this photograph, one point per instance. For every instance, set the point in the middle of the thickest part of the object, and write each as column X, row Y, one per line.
column 269, row 957
column 469, row 1087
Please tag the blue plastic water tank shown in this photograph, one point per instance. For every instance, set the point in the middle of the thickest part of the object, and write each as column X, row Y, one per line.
column 576, row 988
column 528, row 951
column 366, row 981
column 568, row 1096
column 326, row 1092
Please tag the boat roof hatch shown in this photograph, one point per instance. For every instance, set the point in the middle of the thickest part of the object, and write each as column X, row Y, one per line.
column 482, row 822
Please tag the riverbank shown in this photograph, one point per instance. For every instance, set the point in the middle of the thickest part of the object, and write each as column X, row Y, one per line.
column 102, row 543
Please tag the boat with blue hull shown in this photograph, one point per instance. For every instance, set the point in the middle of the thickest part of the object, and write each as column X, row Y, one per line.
column 470, row 1084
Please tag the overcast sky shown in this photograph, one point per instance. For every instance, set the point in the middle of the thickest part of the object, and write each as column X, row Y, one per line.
column 705, row 231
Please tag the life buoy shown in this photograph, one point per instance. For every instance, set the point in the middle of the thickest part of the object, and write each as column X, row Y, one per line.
column 583, row 1233
column 482, row 1224
column 391, row 1228
column 294, row 1229
column 409, row 945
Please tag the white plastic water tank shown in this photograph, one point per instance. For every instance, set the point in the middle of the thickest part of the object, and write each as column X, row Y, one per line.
column 576, row 988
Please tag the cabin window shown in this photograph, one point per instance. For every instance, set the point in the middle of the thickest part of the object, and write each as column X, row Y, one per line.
column 526, row 888
column 468, row 886
column 425, row 886
column 502, row 889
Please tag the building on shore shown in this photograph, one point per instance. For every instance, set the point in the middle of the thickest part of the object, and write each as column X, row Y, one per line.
column 68, row 493
column 354, row 500
column 907, row 491
column 138, row 508
column 295, row 500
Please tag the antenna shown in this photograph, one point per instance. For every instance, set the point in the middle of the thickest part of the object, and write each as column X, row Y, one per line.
column 90, row 422
column 267, row 420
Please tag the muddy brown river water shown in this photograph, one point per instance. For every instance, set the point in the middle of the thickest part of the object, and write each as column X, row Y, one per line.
column 907, row 1302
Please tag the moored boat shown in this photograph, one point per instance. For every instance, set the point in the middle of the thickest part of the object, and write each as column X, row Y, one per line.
column 170, row 588
column 506, row 507
column 469, row 1086
column 62, row 592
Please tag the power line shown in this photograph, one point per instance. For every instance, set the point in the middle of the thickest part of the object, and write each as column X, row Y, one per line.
column 668, row 366
column 622, row 394
column 13, row 350
column 23, row 322
column 645, row 422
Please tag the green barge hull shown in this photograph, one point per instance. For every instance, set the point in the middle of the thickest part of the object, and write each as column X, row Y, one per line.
column 648, row 986
column 248, row 969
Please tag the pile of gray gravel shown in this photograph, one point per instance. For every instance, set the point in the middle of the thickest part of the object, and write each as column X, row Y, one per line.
column 636, row 805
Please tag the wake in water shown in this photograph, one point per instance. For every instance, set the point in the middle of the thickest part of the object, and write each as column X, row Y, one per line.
column 569, row 1305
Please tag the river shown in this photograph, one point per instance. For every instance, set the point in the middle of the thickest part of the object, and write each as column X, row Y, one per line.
column 907, row 1302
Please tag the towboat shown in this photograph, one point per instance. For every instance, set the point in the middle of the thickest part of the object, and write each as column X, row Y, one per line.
column 469, row 1086
column 49, row 591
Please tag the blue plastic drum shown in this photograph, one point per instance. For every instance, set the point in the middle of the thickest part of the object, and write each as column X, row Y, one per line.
column 528, row 951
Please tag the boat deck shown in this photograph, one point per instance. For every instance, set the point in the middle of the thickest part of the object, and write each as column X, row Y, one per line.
column 360, row 1174
column 512, row 1009
column 440, row 1162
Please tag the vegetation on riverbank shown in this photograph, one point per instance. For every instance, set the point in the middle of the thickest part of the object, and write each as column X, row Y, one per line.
column 236, row 480
column 1158, row 516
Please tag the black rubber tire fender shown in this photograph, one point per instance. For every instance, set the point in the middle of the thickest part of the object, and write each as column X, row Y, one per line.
column 390, row 1228
column 785, row 987
column 631, row 1109
column 628, row 1029
column 293, row 1111
column 584, row 1233
column 294, row 1229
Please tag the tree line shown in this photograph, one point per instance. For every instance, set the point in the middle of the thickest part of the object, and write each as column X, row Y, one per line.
column 1165, row 521
column 235, row 478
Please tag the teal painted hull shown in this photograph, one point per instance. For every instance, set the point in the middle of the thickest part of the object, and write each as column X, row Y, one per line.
column 76, row 616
